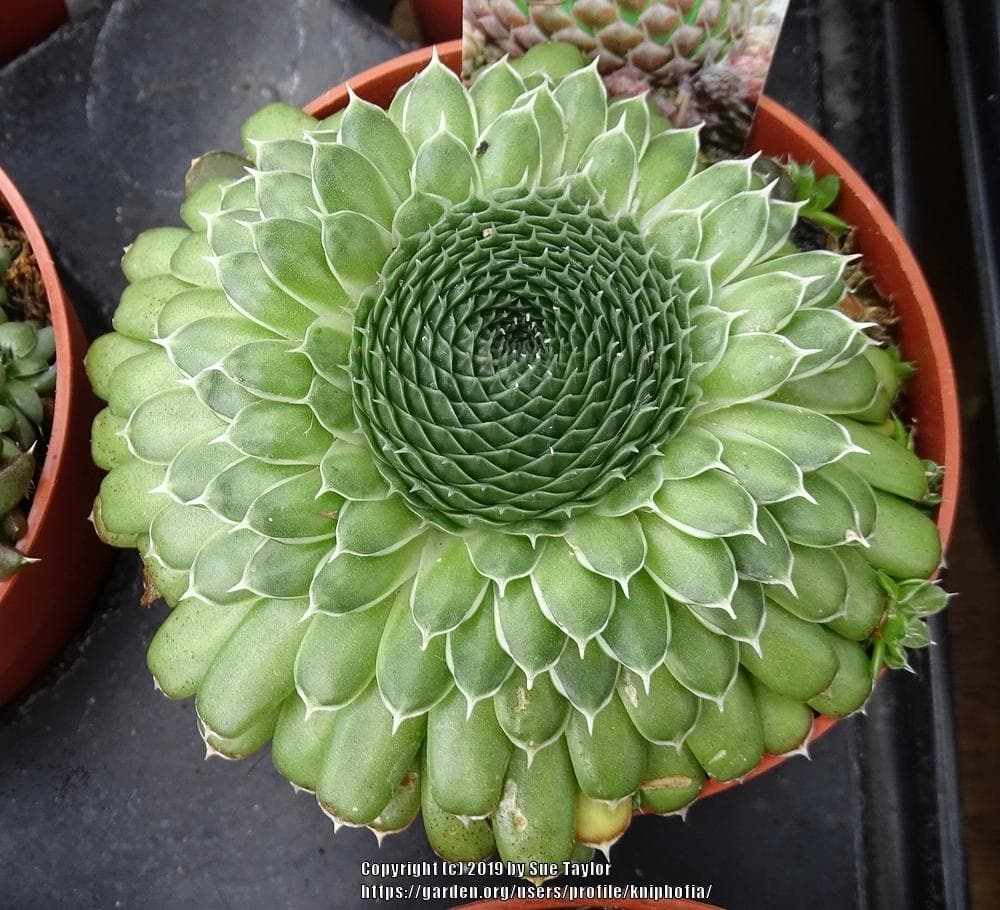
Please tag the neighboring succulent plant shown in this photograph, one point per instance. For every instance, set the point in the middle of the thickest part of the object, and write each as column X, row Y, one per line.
column 499, row 460
column 662, row 40
column 27, row 374
column 703, row 61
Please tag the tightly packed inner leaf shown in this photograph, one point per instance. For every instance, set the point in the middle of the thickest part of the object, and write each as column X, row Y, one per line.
column 523, row 356
column 501, row 462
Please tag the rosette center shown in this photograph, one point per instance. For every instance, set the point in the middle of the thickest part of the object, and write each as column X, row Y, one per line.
column 520, row 358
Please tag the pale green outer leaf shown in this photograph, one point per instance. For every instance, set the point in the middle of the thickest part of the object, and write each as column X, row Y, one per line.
column 577, row 600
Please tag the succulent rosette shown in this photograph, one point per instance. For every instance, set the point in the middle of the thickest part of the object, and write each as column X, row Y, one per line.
column 501, row 462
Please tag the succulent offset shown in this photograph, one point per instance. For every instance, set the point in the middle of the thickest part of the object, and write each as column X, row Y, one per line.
column 27, row 375
column 502, row 462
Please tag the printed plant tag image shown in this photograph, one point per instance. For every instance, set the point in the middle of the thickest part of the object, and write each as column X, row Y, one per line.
column 703, row 61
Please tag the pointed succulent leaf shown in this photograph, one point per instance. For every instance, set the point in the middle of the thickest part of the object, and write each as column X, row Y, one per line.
column 533, row 717
column 345, row 180
column 633, row 114
column 586, row 679
column 476, row 660
column 710, row 505
column 673, row 779
column 435, row 95
column 734, row 233
column 608, row 754
column 609, row 164
column 765, row 304
column 763, row 470
column 826, row 519
column 639, row 629
column 467, row 756
column 828, row 334
column 820, row 583
column 811, row 440
column 551, row 132
column 356, row 248
column 348, row 469
column 252, row 292
column 744, row 623
column 821, row 268
column 447, row 589
column 690, row 453
column 347, row 583
column 292, row 255
column 357, row 791
column 677, row 234
column 664, row 711
column 728, row 739
column 582, row 97
column 668, row 161
column 293, row 155
column 412, row 673
column 703, row 661
column 444, row 167
column 536, row 817
column 509, row 152
column 283, row 194
column 691, row 569
column 612, row 547
column 279, row 432
column 495, row 90
column 336, row 661
column 575, row 599
column 754, row 366
column 502, row 557
column 794, row 657
column 374, row 528
column 365, row 127
column 532, row 640
column 149, row 254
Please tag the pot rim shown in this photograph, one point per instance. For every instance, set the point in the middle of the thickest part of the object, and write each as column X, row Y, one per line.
column 42, row 503
column 379, row 83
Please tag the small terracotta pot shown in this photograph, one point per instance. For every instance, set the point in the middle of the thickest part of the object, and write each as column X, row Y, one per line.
column 589, row 905
column 42, row 604
column 933, row 396
column 26, row 22
column 440, row 20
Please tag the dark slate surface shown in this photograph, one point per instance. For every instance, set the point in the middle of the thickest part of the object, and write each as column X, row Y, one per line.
column 104, row 798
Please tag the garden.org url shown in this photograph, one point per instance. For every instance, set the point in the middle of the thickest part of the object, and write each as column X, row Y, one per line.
column 596, row 892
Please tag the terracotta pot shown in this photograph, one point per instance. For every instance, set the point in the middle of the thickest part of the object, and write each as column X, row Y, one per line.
column 26, row 22
column 589, row 905
column 440, row 20
column 776, row 132
column 43, row 603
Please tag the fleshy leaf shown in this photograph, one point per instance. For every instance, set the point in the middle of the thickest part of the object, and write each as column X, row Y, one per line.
column 577, row 600
column 447, row 588
column 691, row 569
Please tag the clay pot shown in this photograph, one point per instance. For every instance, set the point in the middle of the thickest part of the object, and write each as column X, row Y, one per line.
column 23, row 23
column 440, row 20
column 43, row 604
column 933, row 396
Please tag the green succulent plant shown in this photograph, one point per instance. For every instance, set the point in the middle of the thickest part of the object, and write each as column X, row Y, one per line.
column 27, row 374
column 501, row 462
